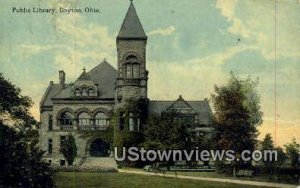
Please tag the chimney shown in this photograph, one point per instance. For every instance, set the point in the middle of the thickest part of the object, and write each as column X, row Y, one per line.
column 62, row 78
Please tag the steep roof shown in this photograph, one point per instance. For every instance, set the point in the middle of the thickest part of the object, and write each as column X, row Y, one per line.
column 202, row 108
column 131, row 27
column 84, row 76
column 180, row 103
column 51, row 91
column 104, row 75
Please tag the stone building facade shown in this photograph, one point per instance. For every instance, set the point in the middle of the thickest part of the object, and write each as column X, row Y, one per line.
column 87, row 104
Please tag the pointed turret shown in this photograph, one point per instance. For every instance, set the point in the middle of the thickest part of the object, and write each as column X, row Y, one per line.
column 132, row 27
column 131, row 48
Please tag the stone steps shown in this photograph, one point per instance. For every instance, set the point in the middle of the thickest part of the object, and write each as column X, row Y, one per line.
column 102, row 164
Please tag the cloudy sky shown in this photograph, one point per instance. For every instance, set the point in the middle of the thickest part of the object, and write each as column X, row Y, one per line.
column 192, row 45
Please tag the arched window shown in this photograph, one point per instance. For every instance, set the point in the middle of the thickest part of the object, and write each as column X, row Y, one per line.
column 84, row 118
column 84, row 92
column 66, row 118
column 132, row 67
column 101, row 119
column 91, row 92
column 77, row 92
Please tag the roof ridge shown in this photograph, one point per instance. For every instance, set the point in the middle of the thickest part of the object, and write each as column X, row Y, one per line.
column 100, row 65
column 180, row 99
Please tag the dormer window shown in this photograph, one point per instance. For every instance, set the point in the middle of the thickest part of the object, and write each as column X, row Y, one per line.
column 84, row 92
column 77, row 93
column 91, row 92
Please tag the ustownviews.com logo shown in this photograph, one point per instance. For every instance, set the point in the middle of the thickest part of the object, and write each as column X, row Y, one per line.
column 140, row 154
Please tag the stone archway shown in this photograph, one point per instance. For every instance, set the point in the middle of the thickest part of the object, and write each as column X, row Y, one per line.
column 99, row 148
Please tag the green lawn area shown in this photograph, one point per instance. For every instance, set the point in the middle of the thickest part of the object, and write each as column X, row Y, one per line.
column 123, row 180
column 264, row 178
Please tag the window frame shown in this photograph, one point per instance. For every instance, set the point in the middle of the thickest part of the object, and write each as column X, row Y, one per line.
column 50, row 123
column 50, row 146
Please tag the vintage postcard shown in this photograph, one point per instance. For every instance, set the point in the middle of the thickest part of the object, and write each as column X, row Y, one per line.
column 146, row 93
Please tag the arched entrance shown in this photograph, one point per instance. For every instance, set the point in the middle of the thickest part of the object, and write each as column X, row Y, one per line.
column 99, row 148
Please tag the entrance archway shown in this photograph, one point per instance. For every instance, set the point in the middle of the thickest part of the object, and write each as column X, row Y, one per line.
column 99, row 148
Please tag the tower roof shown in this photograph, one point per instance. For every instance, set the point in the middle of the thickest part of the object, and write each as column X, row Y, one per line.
column 131, row 27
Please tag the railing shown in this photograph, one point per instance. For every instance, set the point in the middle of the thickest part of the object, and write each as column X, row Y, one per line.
column 83, row 127
column 66, row 127
column 92, row 127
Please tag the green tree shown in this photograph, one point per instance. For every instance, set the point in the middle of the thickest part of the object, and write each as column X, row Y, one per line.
column 237, row 112
column 123, row 136
column 281, row 156
column 167, row 134
column 268, row 144
column 69, row 149
column 292, row 151
column 21, row 160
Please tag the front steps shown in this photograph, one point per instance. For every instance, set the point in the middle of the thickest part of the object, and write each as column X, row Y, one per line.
column 99, row 164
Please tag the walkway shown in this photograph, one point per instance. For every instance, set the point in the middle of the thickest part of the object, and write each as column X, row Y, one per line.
column 243, row 182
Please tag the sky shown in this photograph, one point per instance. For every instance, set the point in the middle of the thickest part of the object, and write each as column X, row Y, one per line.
column 192, row 46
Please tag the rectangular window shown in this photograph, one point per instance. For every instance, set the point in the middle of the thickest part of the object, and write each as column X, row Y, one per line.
column 50, row 146
column 131, row 122
column 50, row 123
column 138, row 124
column 128, row 71
column 62, row 139
column 136, row 70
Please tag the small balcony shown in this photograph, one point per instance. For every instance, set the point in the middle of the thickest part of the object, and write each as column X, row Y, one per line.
column 66, row 127
column 92, row 127
column 84, row 124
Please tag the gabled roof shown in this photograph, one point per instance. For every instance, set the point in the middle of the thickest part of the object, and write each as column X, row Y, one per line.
column 204, row 112
column 180, row 103
column 51, row 91
column 131, row 27
column 84, row 76
column 103, row 75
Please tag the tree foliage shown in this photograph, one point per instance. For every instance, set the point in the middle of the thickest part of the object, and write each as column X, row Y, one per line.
column 237, row 112
column 69, row 149
column 267, row 143
column 281, row 157
column 166, row 134
column 293, row 152
column 21, row 160
column 123, row 137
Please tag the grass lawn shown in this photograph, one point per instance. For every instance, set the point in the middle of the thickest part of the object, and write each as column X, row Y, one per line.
column 264, row 178
column 123, row 180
